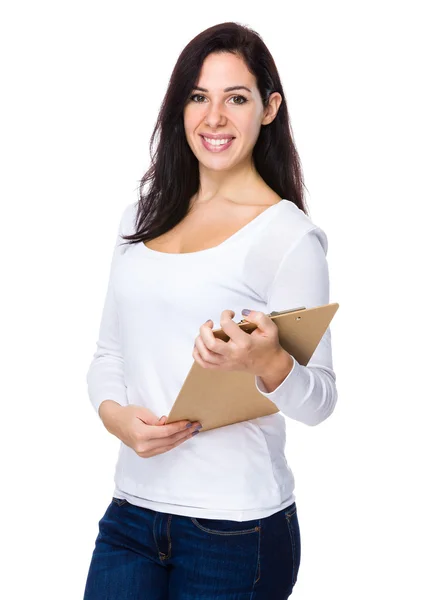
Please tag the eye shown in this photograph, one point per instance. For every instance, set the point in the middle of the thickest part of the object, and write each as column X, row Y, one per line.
column 244, row 100
column 196, row 96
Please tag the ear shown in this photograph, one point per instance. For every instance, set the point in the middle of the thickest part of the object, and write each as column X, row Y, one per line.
column 272, row 108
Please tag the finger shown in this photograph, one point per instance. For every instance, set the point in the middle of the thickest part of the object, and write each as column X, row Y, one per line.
column 261, row 320
column 205, row 364
column 167, row 448
column 206, row 354
column 168, row 429
column 231, row 328
column 172, row 441
column 213, row 344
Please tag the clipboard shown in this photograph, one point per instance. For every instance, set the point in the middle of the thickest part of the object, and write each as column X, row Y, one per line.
column 217, row 398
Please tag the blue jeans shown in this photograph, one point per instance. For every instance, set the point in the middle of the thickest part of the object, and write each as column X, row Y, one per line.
column 141, row 554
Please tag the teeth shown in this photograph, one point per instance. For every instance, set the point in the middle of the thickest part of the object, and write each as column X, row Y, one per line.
column 217, row 142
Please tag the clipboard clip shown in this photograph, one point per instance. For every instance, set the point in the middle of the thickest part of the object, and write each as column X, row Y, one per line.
column 274, row 313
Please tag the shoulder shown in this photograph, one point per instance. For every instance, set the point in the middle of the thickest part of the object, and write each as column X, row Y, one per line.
column 289, row 230
column 128, row 218
column 291, row 227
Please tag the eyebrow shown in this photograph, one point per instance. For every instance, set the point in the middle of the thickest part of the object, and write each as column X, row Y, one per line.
column 227, row 89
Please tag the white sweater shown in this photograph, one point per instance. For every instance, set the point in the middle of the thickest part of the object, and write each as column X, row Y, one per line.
column 154, row 307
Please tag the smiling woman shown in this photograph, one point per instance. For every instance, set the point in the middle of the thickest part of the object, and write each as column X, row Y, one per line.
column 225, row 85
column 221, row 226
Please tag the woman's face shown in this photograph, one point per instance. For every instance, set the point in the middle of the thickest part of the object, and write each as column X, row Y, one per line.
column 237, row 113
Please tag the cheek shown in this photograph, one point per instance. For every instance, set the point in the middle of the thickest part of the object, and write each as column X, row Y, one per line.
column 249, row 127
column 191, row 118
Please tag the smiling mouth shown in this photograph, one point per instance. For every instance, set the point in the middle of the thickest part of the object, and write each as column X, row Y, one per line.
column 216, row 145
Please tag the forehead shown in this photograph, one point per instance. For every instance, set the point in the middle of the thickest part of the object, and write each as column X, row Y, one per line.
column 224, row 69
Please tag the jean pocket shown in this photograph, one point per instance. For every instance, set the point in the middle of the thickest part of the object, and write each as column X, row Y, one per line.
column 290, row 511
column 119, row 501
column 226, row 527
column 291, row 517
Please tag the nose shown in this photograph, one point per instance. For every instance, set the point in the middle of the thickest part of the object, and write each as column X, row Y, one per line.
column 214, row 116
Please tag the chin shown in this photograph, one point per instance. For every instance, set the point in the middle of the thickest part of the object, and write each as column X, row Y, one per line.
column 216, row 167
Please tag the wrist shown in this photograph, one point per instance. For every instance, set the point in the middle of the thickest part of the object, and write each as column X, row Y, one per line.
column 277, row 370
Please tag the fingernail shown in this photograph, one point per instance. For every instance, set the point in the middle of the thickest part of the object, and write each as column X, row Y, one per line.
column 245, row 311
column 195, row 433
column 199, row 427
column 188, row 425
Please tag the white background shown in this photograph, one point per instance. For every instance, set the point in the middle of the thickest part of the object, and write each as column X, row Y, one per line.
column 82, row 85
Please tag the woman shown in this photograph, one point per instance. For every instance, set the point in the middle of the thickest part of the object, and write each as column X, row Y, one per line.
column 221, row 227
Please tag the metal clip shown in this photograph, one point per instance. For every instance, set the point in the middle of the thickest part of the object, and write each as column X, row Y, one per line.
column 274, row 313
column 282, row 312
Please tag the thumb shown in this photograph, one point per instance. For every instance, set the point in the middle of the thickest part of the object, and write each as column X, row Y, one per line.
column 260, row 319
column 162, row 420
column 146, row 416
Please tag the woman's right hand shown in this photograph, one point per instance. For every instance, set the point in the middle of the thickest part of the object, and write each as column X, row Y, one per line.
column 140, row 429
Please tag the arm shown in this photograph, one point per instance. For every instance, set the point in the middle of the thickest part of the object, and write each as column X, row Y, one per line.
column 107, row 411
column 105, row 376
column 305, row 393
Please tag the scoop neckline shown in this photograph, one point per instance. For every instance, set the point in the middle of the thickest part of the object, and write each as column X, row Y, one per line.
column 172, row 255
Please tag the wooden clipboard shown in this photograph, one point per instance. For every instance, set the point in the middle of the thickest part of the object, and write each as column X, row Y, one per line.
column 217, row 398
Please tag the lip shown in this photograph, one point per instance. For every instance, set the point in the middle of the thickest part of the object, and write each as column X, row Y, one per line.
column 217, row 136
column 211, row 148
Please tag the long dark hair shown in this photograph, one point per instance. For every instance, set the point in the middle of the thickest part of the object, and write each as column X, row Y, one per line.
column 173, row 175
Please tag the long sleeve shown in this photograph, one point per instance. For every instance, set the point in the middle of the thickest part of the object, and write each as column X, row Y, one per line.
column 105, row 376
column 308, row 394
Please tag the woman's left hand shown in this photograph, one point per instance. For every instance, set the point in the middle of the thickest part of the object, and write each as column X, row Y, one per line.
column 253, row 353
